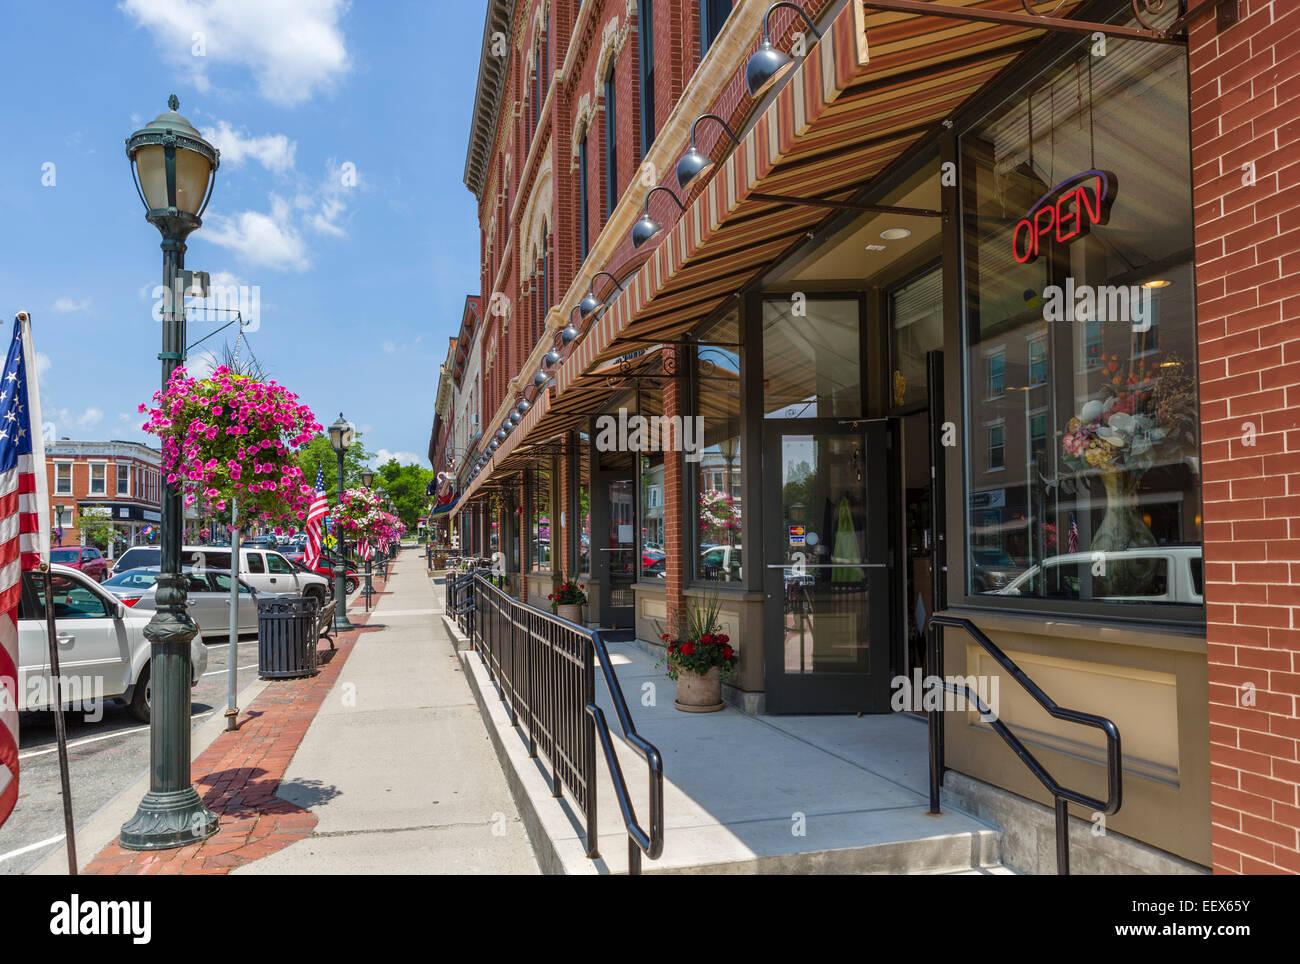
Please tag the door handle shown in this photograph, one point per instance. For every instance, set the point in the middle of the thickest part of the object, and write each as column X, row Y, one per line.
column 66, row 637
column 830, row 565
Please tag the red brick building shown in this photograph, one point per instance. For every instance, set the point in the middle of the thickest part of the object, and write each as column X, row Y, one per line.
column 988, row 314
column 121, row 477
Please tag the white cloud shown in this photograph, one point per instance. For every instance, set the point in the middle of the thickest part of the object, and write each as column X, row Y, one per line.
column 293, row 48
column 65, row 305
column 66, row 420
column 275, row 152
column 403, row 458
column 268, row 240
column 42, row 363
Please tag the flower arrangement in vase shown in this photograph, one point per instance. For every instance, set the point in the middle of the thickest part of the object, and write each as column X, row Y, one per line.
column 1133, row 423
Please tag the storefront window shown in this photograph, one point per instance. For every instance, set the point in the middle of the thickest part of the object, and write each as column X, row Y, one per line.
column 915, row 328
column 719, row 473
column 653, row 557
column 811, row 362
column 539, row 530
column 584, row 502
column 1082, row 468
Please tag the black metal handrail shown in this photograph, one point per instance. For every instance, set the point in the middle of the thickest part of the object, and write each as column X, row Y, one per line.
column 544, row 669
column 1063, row 796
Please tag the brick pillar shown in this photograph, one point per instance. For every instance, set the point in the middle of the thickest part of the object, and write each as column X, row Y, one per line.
column 1245, row 112
column 562, row 541
column 674, row 487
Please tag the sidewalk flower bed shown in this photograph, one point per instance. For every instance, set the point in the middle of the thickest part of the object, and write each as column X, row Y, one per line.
column 567, row 601
column 364, row 522
column 229, row 437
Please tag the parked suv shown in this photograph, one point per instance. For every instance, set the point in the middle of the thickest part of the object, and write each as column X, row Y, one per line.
column 266, row 570
column 86, row 558
column 103, row 652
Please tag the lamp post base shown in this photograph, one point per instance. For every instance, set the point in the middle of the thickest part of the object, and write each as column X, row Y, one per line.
column 167, row 820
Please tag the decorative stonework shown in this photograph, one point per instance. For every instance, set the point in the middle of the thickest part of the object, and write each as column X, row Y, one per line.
column 583, row 114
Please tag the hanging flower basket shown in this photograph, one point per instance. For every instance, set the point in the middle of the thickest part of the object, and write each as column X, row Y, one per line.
column 363, row 520
column 230, row 437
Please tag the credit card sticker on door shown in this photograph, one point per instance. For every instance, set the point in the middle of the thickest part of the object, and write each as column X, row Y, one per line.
column 797, row 536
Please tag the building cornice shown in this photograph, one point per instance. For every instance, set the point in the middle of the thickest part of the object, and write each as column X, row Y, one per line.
column 492, row 68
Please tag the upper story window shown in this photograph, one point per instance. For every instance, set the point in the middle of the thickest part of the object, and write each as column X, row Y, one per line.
column 611, row 143
column 646, row 41
column 123, row 479
column 63, row 478
column 584, row 212
column 713, row 14
column 98, row 478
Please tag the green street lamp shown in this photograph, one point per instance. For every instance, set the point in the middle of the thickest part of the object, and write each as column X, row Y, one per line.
column 342, row 435
column 174, row 170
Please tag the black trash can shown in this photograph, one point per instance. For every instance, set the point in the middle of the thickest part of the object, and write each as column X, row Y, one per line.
column 286, row 637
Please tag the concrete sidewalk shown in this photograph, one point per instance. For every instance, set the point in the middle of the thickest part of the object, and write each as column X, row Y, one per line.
column 396, row 767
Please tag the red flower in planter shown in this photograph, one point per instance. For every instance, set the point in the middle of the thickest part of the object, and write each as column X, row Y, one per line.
column 688, row 648
column 726, row 652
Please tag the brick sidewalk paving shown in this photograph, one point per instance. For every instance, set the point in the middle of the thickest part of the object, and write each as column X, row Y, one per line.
column 239, row 774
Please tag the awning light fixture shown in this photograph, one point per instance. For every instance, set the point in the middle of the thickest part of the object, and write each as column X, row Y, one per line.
column 647, row 227
column 693, row 163
column 767, row 65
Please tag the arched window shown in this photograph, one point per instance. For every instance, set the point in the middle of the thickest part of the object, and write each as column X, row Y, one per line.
column 584, row 241
column 646, row 47
column 611, row 143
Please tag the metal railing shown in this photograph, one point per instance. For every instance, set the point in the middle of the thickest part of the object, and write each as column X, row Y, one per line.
column 1063, row 796
column 544, row 670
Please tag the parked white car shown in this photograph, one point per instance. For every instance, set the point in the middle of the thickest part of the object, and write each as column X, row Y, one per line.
column 266, row 570
column 103, row 652
column 207, row 598
column 1176, row 576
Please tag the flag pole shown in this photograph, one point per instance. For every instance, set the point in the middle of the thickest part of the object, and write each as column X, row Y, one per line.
column 60, row 725
column 41, row 496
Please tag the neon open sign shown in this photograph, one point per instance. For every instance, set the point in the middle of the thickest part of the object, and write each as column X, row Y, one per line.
column 1065, row 213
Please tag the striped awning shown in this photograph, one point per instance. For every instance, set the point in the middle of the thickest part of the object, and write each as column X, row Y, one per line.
column 873, row 85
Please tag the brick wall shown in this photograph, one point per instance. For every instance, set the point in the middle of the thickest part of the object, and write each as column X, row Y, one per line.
column 1245, row 110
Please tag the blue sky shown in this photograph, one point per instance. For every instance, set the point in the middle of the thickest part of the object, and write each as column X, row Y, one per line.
column 360, row 285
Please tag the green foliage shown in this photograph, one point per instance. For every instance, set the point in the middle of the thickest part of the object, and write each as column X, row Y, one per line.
column 405, row 485
column 95, row 528
column 318, row 451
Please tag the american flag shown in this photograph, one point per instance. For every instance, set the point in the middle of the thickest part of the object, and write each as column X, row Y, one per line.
column 319, row 507
column 1074, row 534
column 364, row 549
column 24, row 532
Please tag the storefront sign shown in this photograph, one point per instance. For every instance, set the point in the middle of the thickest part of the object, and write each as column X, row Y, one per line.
column 1065, row 213
column 990, row 499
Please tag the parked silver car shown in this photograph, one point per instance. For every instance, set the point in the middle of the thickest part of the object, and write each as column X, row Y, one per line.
column 207, row 598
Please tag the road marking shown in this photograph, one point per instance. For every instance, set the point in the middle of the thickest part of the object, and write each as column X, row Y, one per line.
column 30, row 847
column 96, row 739
column 223, row 670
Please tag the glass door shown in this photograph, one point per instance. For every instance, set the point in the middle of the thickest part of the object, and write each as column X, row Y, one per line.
column 828, row 567
column 617, row 544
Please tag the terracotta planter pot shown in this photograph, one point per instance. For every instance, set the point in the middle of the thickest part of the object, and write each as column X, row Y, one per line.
column 570, row 611
column 699, row 694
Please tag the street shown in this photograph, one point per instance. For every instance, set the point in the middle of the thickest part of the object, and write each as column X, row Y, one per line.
column 104, row 758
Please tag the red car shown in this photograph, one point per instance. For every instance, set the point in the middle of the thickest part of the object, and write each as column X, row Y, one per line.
column 86, row 558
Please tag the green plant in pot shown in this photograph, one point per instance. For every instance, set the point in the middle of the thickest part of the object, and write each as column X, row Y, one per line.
column 699, row 656
column 567, row 601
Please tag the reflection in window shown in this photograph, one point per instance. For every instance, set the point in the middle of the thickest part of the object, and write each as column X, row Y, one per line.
column 1081, row 342
column 653, row 549
column 811, row 365
column 539, row 521
column 915, row 328
column 719, row 474
column 584, row 502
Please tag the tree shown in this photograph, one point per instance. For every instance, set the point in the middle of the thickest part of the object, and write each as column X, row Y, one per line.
column 406, row 486
column 95, row 527
column 318, row 452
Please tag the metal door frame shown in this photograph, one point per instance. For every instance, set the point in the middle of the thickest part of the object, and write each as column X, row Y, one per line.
column 832, row 693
